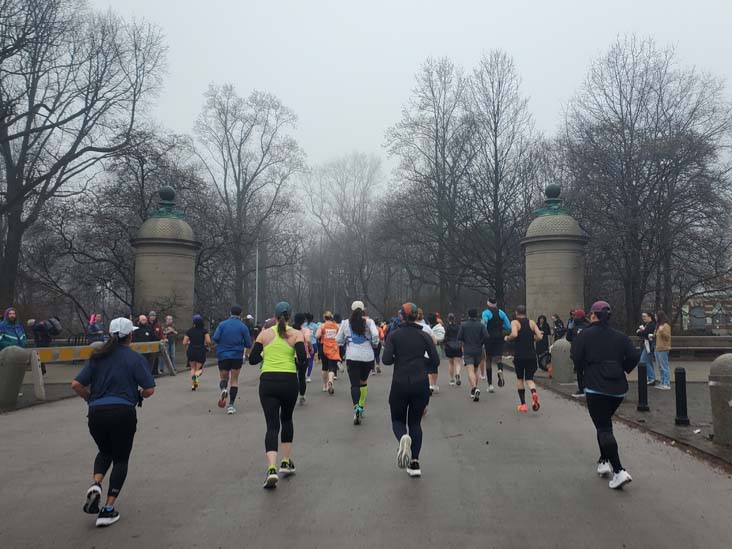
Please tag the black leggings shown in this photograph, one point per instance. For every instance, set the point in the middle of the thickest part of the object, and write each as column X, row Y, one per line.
column 602, row 408
column 408, row 399
column 278, row 395
column 113, row 429
column 358, row 373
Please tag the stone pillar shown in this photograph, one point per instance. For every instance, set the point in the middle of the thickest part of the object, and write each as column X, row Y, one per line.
column 165, row 263
column 554, row 247
column 720, row 393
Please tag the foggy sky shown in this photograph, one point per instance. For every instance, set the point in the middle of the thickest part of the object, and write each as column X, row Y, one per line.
column 347, row 68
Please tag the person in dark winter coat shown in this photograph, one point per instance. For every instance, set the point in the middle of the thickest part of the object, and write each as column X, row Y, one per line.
column 12, row 333
column 579, row 323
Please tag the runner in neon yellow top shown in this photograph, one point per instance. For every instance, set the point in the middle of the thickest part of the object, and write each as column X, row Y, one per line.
column 279, row 347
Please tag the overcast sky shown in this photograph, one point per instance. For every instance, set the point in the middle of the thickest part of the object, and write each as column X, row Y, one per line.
column 347, row 68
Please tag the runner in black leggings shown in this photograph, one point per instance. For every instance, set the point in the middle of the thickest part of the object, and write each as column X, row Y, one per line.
column 604, row 356
column 410, row 388
column 109, row 382
column 278, row 388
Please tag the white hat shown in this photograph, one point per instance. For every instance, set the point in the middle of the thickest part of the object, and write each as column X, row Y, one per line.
column 122, row 326
column 357, row 305
column 250, row 317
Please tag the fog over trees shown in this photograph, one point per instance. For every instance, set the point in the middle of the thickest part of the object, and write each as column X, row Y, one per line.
column 642, row 155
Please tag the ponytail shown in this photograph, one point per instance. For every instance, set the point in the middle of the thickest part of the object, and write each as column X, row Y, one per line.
column 357, row 322
column 282, row 325
column 109, row 347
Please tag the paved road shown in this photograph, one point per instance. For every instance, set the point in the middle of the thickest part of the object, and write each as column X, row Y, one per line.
column 492, row 478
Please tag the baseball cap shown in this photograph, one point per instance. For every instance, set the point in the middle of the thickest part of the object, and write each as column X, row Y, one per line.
column 579, row 313
column 250, row 317
column 599, row 306
column 282, row 308
column 236, row 310
column 357, row 305
column 122, row 327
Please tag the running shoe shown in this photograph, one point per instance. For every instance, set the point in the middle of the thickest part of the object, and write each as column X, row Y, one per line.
column 604, row 468
column 404, row 454
column 335, row 378
column 620, row 479
column 308, row 380
column 302, row 400
column 193, row 383
column 357, row 413
column 196, row 383
column 458, row 381
column 413, row 469
column 476, row 395
column 501, row 382
column 378, row 369
column 432, row 390
column 436, row 388
column 325, row 389
column 231, row 410
column 452, row 383
column 372, row 373
column 331, row 389
column 287, row 467
column 93, row 495
column 482, row 376
column 107, row 516
column 223, row 398
column 535, row 405
column 491, row 389
column 270, row 480
column 579, row 394
column 662, row 387
column 522, row 408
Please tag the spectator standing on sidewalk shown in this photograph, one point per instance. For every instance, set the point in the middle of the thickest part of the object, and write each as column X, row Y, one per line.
column 95, row 330
column 12, row 333
column 662, row 338
column 646, row 331
column 169, row 335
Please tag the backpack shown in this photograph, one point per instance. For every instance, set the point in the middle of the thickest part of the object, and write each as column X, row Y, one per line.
column 54, row 326
column 495, row 325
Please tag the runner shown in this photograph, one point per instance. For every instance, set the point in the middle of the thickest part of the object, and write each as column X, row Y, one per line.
column 326, row 335
column 109, row 382
column 604, row 356
column 231, row 337
column 432, row 371
column 313, row 327
column 453, row 350
column 197, row 341
column 438, row 330
column 341, row 348
column 283, row 351
column 497, row 324
column 405, row 349
column 473, row 335
column 525, row 333
column 360, row 336
column 299, row 324
column 377, row 351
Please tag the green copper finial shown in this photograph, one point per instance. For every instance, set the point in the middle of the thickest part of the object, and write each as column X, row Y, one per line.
column 166, row 204
column 553, row 202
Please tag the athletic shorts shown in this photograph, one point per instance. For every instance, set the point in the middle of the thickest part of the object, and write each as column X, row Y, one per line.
column 453, row 352
column 227, row 364
column 494, row 348
column 525, row 368
column 196, row 355
column 428, row 366
column 329, row 365
column 359, row 370
column 472, row 360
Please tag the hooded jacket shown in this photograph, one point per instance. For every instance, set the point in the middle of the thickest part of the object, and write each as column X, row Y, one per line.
column 12, row 334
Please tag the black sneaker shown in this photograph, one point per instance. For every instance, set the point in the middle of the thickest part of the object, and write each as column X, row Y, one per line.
column 457, row 381
column 287, row 467
column 476, row 395
column 93, row 495
column 413, row 469
column 270, row 481
column 107, row 516
column 501, row 382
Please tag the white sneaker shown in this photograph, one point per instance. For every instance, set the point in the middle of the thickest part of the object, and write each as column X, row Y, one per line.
column 604, row 468
column 491, row 389
column 231, row 410
column 620, row 479
column 476, row 395
column 325, row 389
column 308, row 380
column 663, row 387
column 302, row 400
column 452, row 383
column 404, row 455
column 482, row 376
column 436, row 388
column 413, row 469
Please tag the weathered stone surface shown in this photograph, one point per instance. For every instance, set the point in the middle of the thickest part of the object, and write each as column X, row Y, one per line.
column 720, row 392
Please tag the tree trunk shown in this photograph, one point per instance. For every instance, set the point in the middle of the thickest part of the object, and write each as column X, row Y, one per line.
column 11, row 258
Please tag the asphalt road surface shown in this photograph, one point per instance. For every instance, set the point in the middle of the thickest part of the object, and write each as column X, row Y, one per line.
column 491, row 478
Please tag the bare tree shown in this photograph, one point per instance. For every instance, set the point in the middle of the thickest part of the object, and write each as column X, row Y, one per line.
column 433, row 146
column 72, row 83
column 249, row 156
